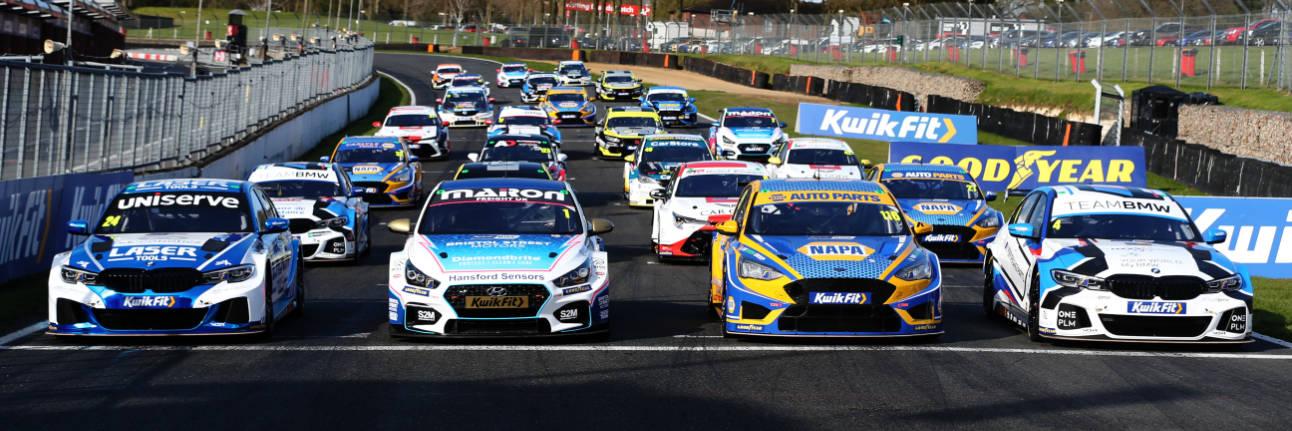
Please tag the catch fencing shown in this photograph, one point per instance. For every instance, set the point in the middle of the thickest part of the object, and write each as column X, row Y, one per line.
column 57, row 119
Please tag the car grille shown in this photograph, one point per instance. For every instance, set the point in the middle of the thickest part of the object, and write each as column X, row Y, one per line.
column 497, row 327
column 143, row 320
column 464, row 113
column 302, row 225
column 1155, row 326
column 753, row 148
column 961, row 249
column 1173, row 288
column 873, row 317
column 308, row 250
column 168, row 280
column 457, row 298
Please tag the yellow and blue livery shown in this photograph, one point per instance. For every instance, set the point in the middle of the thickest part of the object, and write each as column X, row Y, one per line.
column 949, row 199
column 823, row 258
column 382, row 168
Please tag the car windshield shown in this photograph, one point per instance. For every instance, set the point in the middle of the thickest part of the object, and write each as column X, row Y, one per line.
column 521, row 153
column 565, row 98
column 456, row 98
column 714, row 186
column 933, row 189
column 538, row 218
column 450, row 70
column 665, row 97
column 821, row 156
column 465, row 82
column 750, row 121
column 513, row 69
column 503, row 170
column 411, row 120
column 572, row 69
column 167, row 212
column 619, row 79
column 672, row 152
column 300, row 189
column 542, row 80
column 826, row 218
column 1122, row 226
column 524, row 120
column 630, row 122
column 376, row 154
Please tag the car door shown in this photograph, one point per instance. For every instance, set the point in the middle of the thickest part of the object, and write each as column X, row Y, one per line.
column 1013, row 254
column 278, row 246
column 723, row 247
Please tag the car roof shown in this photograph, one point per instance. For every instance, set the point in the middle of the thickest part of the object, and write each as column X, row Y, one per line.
column 519, row 165
column 514, row 64
column 520, row 110
column 818, row 143
column 1111, row 199
column 447, row 65
column 735, row 109
column 351, row 142
column 578, row 90
column 893, row 171
column 411, row 109
column 624, row 113
column 470, row 89
column 565, row 62
column 721, row 167
column 186, row 185
column 305, row 171
column 616, row 72
column 666, row 89
column 541, row 75
column 468, row 76
column 675, row 137
column 526, row 183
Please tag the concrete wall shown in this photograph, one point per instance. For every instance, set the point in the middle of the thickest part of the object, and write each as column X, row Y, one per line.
column 1261, row 135
column 915, row 82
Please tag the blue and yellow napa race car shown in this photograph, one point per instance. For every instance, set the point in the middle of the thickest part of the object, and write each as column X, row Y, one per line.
column 500, row 257
column 569, row 106
column 327, row 214
column 949, row 199
column 178, row 257
column 674, row 106
column 823, row 258
column 381, row 168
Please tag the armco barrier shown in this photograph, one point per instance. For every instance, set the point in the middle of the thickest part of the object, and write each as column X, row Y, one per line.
column 35, row 211
column 1209, row 170
column 1024, row 126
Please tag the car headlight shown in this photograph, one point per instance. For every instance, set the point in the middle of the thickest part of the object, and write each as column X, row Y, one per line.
column 1072, row 279
column 416, row 277
column 922, row 269
column 72, row 276
column 988, row 222
column 1233, row 282
column 728, row 141
column 336, row 222
column 611, row 139
column 576, row 276
column 758, row 271
column 232, row 275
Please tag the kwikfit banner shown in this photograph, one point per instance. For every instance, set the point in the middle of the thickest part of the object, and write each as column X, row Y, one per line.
column 999, row 168
column 34, row 214
column 1260, row 230
column 883, row 125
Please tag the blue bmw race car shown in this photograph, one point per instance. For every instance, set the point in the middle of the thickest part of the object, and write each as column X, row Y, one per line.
column 178, row 257
column 949, row 199
column 381, row 168
column 674, row 106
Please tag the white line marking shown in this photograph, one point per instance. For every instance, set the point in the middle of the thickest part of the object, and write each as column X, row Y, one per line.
column 30, row 329
column 1256, row 335
column 697, row 336
column 644, row 348
column 412, row 96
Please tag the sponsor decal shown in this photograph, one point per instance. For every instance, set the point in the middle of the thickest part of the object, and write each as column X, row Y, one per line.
column 576, row 290
column 568, row 314
column 755, row 114
column 476, row 302
column 153, row 253
column 823, row 196
column 501, row 194
column 1153, row 307
column 835, row 250
column 1259, row 230
column 749, row 327
column 426, row 315
column 366, row 170
column 1237, row 322
column 942, row 237
column 501, row 276
column 160, row 200
column 937, row 208
column 1118, row 205
column 884, row 125
column 417, row 290
column 1000, row 168
column 839, row 298
column 148, row 302
column 929, row 176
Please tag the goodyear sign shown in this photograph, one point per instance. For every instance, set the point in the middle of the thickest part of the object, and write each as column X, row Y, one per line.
column 1260, row 230
column 883, row 125
column 1001, row 168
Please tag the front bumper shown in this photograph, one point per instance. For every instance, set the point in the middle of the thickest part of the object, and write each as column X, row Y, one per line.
column 479, row 119
column 750, row 313
column 1081, row 314
column 325, row 244
column 504, row 82
column 567, row 118
column 619, row 93
column 750, row 150
column 621, row 148
column 230, row 309
column 687, row 241
column 575, row 82
column 958, row 244
column 678, row 118
column 639, row 193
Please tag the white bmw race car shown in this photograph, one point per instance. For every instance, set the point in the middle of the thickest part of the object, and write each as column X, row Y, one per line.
column 815, row 158
column 701, row 195
column 500, row 257
column 325, row 212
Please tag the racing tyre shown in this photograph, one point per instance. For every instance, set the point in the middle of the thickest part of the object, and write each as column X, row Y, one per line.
column 988, row 290
column 298, row 302
column 268, row 331
column 1034, row 310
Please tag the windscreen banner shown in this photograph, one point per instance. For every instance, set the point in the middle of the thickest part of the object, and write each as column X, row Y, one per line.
column 1000, row 168
column 1260, row 230
column 883, row 125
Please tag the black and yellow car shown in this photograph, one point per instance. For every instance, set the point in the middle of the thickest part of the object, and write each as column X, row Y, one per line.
column 622, row 129
column 619, row 85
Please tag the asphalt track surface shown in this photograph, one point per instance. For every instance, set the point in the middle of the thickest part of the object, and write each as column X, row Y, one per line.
column 664, row 365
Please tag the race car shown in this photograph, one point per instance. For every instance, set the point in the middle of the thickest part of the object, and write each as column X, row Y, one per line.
column 747, row 133
column 523, row 148
column 536, row 85
column 178, row 257
column 444, row 73
column 653, row 165
column 569, row 106
column 618, row 85
column 500, row 257
column 466, row 107
column 674, row 106
column 382, row 168
column 573, row 74
column 701, row 195
column 525, row 120
column 949, row 199
column 622, row 129
column 326, row 214
column 469, row 80
column 511, row 75
column 1113, row 263
column 823, row 258
column 473, row 170
column 815, row 158
column 421, row 126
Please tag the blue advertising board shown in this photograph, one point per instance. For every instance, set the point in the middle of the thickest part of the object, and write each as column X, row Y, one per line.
column 999, row 168
column 1260, row 230
column 34, row 214
column 883, row 125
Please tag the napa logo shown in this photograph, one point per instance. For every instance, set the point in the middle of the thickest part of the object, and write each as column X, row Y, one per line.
column 366, row 170
column 938, row 208
column 1022, row 168
column 835, row 250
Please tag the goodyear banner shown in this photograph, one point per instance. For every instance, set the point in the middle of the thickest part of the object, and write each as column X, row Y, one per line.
column 1260, row 230
column 34, row 214
column 883, row 125
column 999, row 168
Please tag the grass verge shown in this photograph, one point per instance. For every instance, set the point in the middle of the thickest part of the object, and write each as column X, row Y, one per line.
column 391, row 95
column 1273, row 307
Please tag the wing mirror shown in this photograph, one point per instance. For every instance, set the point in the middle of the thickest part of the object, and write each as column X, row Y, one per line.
column 728, row 227
column 690, row 100
column 773, row 160
column 78, row 227
column 473, row 157
column 729, row 154
column 562, row 157
column 1212, row 236
column 922, row 228
column 990, row 196
column 658, row 194
column 276, row 225
column 401, row 225
column 601, row 226
column 1022, row 230
column 782, row 124
column 324, row 159
column 631, row 158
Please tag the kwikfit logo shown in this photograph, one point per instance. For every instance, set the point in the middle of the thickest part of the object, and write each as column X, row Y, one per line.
column 913, row 127
column 838, row 298
column 1144, row 307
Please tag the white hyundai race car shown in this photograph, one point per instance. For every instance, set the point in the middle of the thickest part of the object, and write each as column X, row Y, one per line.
column 815, row 158
column 747, row 133
column 421, row 126
column 511, row 75
column 701, row 195
column 324, row 211
column 500, row 257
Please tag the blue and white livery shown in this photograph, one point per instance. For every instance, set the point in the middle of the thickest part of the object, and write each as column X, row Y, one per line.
column 178, row 257
column 511, row 75
column 747, row 133
column 500, row 257
column 327, row 215
column 466, row 107
column 674, row 105
column 524, row 120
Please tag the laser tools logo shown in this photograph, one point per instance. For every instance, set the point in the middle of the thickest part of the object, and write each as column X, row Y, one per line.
column 889, row 126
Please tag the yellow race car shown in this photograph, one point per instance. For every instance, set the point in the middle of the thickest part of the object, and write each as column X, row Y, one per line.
column 569, row 106
column 623, row 128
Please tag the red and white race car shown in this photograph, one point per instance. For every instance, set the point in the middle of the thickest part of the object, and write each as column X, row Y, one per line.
column 701, row 195
column 444, row 74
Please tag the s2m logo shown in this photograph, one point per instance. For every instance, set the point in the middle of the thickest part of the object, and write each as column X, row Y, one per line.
column 1038, row 164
